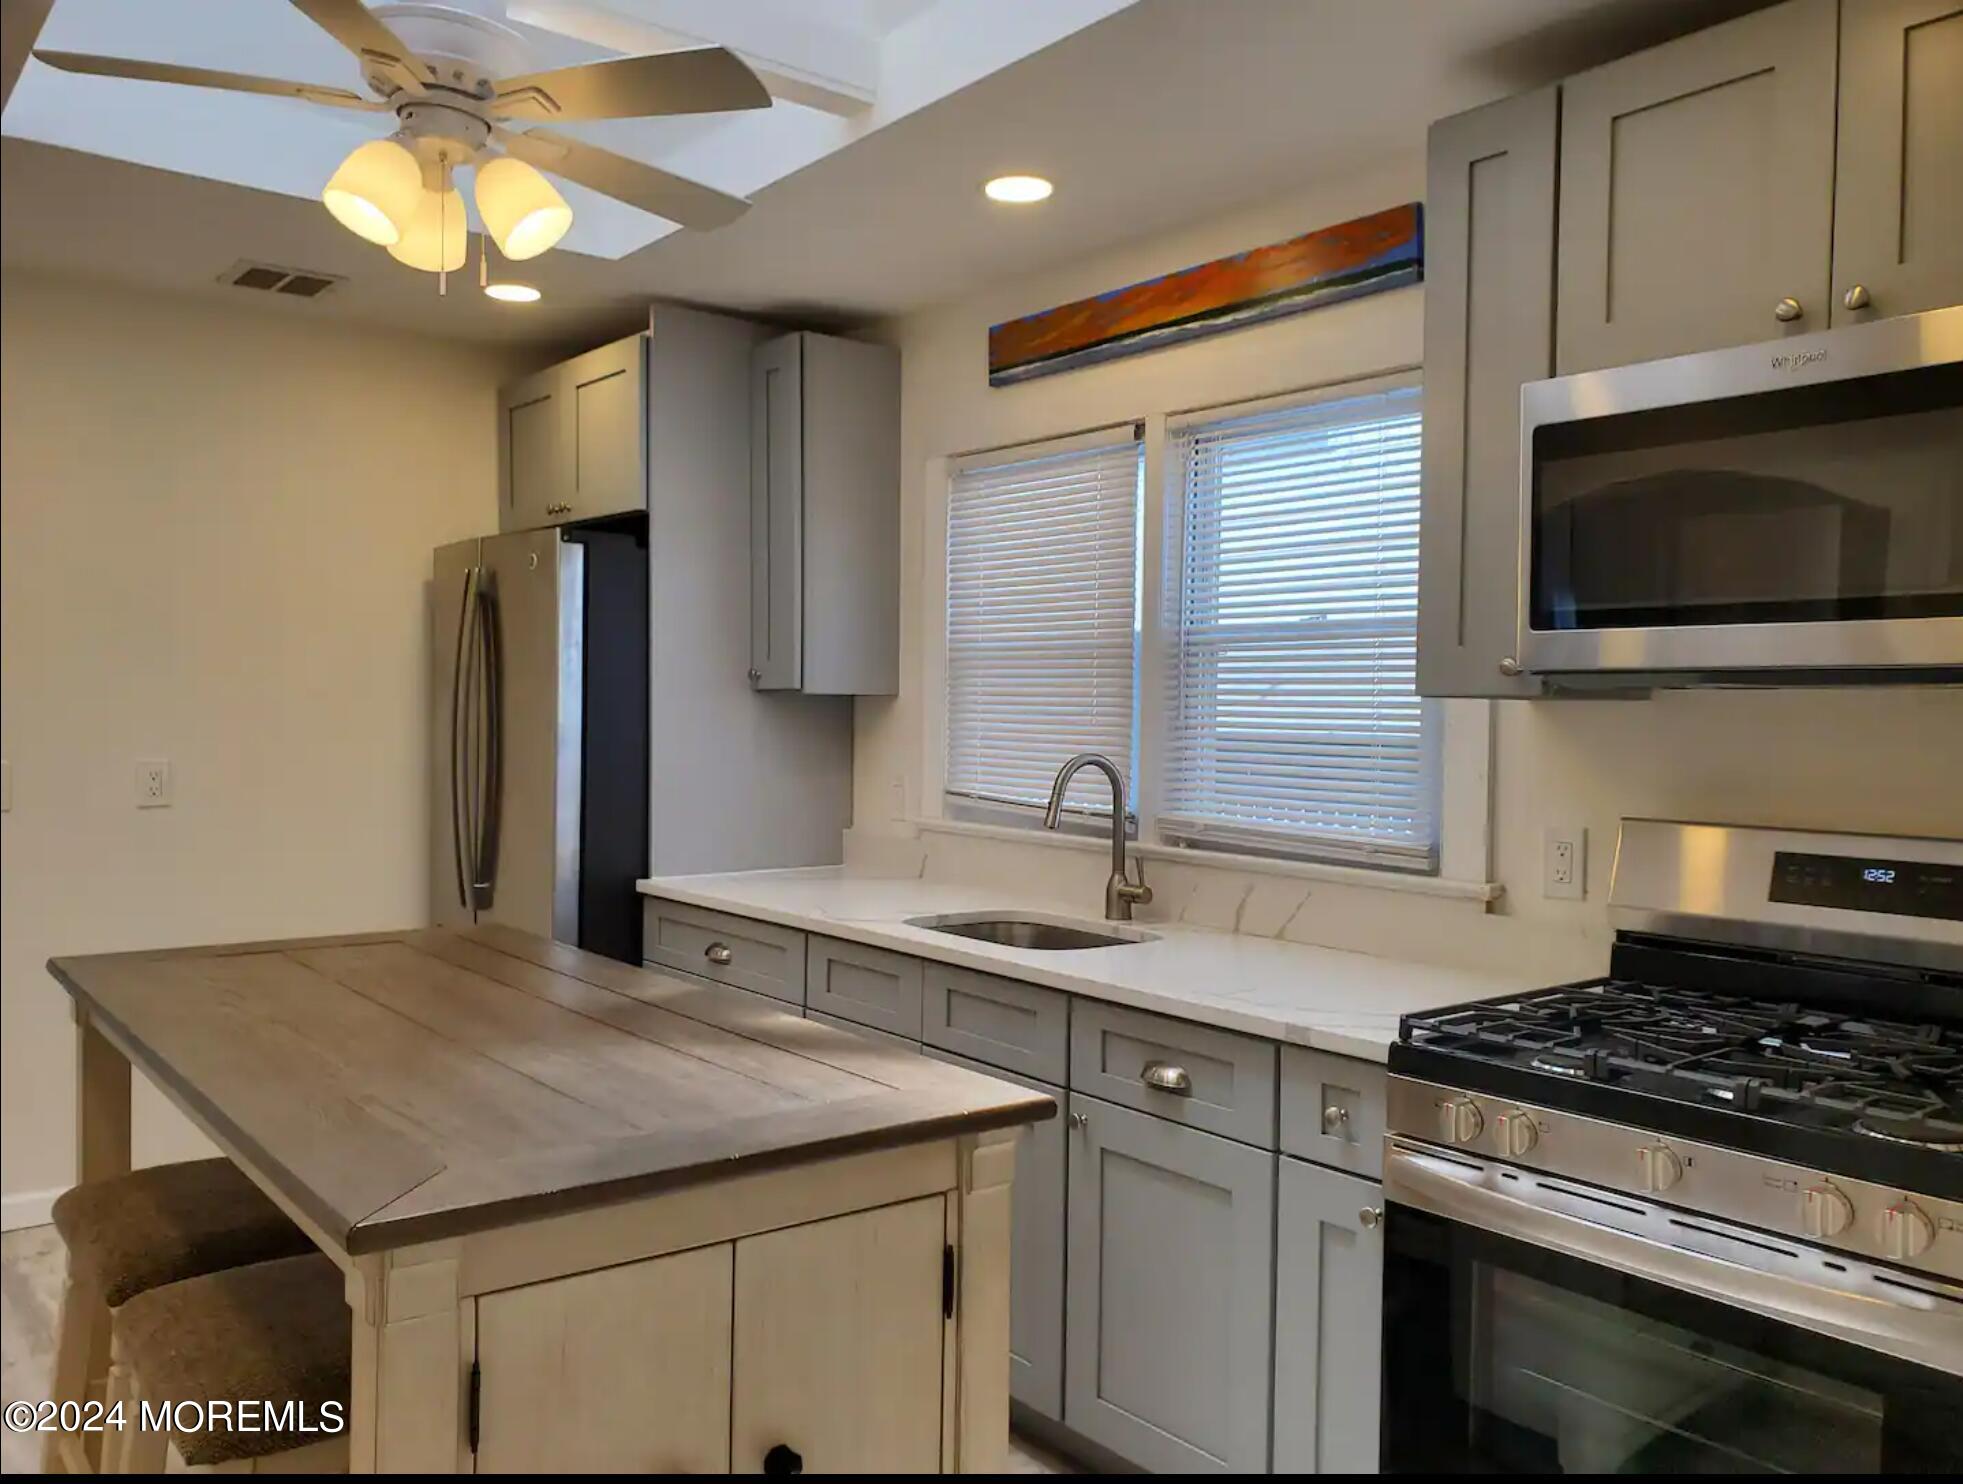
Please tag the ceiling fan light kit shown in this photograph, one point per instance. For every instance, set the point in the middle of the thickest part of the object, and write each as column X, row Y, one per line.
column 376, row 192
column 512, row 293
column 521, row 210
column 449, row 105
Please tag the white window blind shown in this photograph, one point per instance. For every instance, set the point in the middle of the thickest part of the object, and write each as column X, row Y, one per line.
column 1042, row 557
column 1293, row 724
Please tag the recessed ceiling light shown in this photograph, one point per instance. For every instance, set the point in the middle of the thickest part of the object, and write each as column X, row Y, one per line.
column 1020, row 189
column 513, row 293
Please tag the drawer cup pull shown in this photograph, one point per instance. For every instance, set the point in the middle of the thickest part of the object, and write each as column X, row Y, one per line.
column 1165, row 1077
column 718, row 953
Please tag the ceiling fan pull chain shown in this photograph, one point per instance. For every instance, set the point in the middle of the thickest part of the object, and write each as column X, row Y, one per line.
column 443, row 228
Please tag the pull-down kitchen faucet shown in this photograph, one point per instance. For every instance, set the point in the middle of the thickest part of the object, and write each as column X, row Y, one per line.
column 1119, row 893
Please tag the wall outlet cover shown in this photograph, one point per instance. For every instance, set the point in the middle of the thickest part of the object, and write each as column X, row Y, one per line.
column 1564, row 862
column 153, row 783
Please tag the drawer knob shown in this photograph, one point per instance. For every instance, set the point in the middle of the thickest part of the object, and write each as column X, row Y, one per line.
column 1080, row 1120
column 1165, row 1077
column 1369, row 1216
column 1787, row 310
column 1509, row 666
column 718, row 953
column 1857, row 297
column 1335, row 1119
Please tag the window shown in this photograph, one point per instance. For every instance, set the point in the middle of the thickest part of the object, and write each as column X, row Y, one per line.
column 1292, row 725
column 1042, row 621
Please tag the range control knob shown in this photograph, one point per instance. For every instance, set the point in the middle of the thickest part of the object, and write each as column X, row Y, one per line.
column 1906, row 1230
column 1459, row 1120
column 1659, row 1167
column 1825, row 1211
column 1518, row 1132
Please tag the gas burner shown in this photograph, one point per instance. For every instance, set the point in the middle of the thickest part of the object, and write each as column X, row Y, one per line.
column 1938, row 1134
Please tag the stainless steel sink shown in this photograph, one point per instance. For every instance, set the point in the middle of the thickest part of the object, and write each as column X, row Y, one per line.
column 1030, row 932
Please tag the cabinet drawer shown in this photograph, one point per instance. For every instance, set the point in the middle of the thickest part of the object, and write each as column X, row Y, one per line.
column 1230, row 1078
column 1332, row 1110
column 757, row 956
column 769, row 1001
column 871, row 986
column 1017, row 1027
column 837, row 1023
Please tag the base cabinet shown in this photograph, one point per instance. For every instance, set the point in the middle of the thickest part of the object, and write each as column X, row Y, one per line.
column 1329, row 1278
column 1170, row 1318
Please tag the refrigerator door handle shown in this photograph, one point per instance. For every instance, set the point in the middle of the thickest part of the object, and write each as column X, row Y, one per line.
column 491, row 795
column 456, row 736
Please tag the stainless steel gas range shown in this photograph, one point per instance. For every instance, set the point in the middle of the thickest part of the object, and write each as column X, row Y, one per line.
column 1705, row 1213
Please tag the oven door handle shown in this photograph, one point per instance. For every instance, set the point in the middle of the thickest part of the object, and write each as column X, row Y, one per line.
column 1911, row 1319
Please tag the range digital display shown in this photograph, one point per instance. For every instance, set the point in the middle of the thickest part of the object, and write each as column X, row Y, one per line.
column 1905, row 888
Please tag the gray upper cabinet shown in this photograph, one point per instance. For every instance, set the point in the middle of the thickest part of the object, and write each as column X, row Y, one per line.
column 572, row 439
column 1489, row 326
column 1329, row 1299
column 1898, row 185
column 824, row 516
column 1169, row 1315
column 1696, row 201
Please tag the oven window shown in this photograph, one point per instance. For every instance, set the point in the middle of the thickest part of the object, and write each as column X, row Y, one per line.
column 1504, row 1356
column 1830, row 502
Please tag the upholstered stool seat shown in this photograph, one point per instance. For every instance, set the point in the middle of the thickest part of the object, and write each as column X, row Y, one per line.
column 276, row 1333
column 167, row 1223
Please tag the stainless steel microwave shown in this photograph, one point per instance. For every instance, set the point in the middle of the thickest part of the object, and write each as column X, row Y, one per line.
column 1780, row 513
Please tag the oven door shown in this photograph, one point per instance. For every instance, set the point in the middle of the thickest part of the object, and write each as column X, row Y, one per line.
column 1792, row 506
column 1537, row 1325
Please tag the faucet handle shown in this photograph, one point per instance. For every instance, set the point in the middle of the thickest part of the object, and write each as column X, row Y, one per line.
column 1141, row 893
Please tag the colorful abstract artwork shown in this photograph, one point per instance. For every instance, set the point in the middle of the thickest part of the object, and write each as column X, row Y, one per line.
column 1382, row 251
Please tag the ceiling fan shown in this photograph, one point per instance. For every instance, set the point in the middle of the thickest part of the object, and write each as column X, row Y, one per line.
column 452, row 95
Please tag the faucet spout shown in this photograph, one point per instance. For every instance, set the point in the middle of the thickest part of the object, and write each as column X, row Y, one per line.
column 1119, row 891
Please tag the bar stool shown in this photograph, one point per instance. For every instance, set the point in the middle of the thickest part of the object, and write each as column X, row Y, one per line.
column 276, row 1333
column 136, row 1232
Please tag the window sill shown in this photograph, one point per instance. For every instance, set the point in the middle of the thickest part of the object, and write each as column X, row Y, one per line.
column 1258, row 865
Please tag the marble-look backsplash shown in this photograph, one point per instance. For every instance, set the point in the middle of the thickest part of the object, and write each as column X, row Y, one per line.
column 1452, row 932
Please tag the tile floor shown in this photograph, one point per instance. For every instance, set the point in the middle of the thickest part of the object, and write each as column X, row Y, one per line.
column 30, row 1293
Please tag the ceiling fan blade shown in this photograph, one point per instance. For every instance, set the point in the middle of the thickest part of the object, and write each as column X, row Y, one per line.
column 688, row 202
column 384, row 59
column 703, row 79
column 204, row 77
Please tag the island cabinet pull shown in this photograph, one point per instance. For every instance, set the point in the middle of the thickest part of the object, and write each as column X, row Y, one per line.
column 718, row 953
column 783, row 1459
column 1165, row 1077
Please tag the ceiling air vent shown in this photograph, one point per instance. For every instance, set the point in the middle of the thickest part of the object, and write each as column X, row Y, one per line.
column 300, row 283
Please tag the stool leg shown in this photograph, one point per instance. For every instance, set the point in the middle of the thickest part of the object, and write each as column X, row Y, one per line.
column 81, row 1360
column 118, row 1393
column 143, row 1450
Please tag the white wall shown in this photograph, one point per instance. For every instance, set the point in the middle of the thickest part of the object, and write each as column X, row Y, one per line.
column 216, row 531
column 1862, row 759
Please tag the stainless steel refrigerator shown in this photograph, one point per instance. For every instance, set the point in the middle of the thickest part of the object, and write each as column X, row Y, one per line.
column 539, row 755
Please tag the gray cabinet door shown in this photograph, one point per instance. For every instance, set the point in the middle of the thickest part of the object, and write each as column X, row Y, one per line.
column 531, row 450
column 777, row 514
column 1489, row 326
column 1329, row 1302
column 1697, row 191
column 1898, row 185
column 1035, row 1249
column 605, row 394
column 1169, row 1315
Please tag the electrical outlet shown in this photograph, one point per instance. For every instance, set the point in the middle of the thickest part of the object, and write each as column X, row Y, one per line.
column 1564, row 867
column 153, row 783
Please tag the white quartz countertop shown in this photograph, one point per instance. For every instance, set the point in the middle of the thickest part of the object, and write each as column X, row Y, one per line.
column 1337, row 1001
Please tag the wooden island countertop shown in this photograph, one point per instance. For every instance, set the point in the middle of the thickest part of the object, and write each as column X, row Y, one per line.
column 398, row 1088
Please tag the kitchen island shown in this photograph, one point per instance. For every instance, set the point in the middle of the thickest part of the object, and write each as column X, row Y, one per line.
column 591, row 1216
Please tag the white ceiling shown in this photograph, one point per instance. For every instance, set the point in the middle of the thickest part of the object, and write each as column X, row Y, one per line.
column 1161, row 113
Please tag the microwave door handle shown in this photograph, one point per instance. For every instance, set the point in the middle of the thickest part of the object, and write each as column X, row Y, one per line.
column 456, row 735
column 1929, row 1333
column 491, row 790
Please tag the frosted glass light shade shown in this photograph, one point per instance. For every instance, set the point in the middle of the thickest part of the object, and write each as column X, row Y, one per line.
column 521, row 210
column 376, row 191
column 436, row 237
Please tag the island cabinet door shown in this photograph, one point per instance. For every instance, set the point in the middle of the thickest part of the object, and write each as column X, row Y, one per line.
column 838, row 1344
column 1329, row 1317
column 1169, row 1311
column 625, row 1370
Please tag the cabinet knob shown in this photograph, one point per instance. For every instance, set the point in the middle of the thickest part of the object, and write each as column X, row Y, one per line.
column 783, row 1459
column 1787, row 310
column 1369, row 1216
column 755, row 676
column 1165, row 1077
column 1857, row 297
column 718, row 953
column 1335, row 1119
column 1080, row 1120
column 1509, row 666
